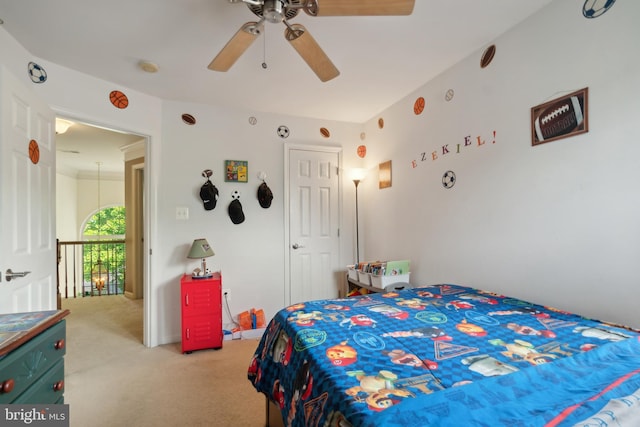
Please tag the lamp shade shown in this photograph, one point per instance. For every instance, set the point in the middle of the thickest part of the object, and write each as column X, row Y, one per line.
column 200, row 249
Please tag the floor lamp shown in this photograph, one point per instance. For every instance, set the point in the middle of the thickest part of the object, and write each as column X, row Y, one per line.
column 356, row 182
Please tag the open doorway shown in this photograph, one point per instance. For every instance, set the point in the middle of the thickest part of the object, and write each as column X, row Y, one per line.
column 98, row 168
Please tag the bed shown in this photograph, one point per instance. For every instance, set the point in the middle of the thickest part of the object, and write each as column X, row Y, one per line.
column 445, row 355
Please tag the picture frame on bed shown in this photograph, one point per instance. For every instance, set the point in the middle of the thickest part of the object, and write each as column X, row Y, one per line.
column 560, row 118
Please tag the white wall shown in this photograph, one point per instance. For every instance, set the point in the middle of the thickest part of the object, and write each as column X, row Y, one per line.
column 556, row 223
column 66, row 198
column 111, row 194
column 250, row 255
column 77, row 200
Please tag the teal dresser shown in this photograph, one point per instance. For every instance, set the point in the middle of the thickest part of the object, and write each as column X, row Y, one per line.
column 32, row 349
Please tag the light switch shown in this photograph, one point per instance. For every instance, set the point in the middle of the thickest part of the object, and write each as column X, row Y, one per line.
column 182, row 212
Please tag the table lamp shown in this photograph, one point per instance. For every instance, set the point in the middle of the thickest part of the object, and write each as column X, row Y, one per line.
column 201, row 249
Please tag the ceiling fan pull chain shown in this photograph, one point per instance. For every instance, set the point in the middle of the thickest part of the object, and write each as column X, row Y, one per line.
column 264, row 49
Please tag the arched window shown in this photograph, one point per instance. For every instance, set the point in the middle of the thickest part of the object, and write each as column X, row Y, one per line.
column 106, row 223
column 104, row 257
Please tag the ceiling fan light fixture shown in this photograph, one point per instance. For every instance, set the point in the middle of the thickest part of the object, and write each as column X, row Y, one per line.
column 282, row 11
column 273, row 11
column 62, row 125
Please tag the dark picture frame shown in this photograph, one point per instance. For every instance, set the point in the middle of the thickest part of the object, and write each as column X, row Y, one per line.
column 560, row 118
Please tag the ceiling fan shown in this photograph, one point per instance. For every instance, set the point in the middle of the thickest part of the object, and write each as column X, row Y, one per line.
column 281, row 11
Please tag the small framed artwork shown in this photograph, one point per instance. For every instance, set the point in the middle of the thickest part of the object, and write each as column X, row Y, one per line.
column 560, row 118
column 384, row 174
column 236, row 170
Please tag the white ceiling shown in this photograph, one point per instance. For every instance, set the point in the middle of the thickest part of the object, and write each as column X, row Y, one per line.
column 381, row 59
column 82, row 147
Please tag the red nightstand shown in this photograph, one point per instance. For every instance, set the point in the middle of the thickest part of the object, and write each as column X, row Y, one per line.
column 201, row 312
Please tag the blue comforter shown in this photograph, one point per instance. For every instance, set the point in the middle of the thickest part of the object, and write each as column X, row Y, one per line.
column 446, row 355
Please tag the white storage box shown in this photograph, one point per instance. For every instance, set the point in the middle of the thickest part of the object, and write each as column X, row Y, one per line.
column 352, row 273
column 382, row 282
column 364, row 278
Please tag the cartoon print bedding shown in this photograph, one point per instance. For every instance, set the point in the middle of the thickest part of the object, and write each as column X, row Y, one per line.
column 446, row 355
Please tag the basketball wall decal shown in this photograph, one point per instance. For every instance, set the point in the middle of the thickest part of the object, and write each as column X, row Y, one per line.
column 188, row 119
column 418, row 106
column 34, row 152
column 380, row 122
column 487, row 56
column 362, row 151
column 325, row 132
column 119, row 99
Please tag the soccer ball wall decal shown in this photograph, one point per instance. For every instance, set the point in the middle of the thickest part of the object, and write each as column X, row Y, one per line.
column 37, row 74
column 595, row 8
column 283, row 131
column 448, row 179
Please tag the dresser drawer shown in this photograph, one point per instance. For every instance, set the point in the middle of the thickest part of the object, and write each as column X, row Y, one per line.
column 47, row 389
column 25, row 365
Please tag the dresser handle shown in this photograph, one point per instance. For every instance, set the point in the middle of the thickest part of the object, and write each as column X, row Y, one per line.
column 7, row 385
column 59, row 345
column 58, row 386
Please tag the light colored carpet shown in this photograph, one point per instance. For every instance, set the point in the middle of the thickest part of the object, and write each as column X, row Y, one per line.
column 111, row 379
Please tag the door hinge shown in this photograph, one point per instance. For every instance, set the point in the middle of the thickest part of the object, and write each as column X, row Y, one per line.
column 338, row 232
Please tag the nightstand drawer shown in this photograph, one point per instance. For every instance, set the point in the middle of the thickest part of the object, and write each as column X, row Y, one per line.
column 25, row 365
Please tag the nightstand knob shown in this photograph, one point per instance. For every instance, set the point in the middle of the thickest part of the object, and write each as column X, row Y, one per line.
column 58, row 386
column 7, row 385
column 59, row 345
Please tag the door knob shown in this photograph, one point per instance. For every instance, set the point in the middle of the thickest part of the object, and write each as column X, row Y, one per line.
column 11, row 274
column 296, row 246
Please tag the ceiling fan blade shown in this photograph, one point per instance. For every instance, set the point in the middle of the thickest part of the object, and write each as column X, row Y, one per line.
column 362, row 7
column 236, row 47
column 311, row 52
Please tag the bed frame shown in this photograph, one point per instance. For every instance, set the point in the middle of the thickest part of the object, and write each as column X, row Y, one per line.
column 273, row 417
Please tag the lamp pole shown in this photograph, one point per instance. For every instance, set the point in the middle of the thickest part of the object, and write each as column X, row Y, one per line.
column 356, row 182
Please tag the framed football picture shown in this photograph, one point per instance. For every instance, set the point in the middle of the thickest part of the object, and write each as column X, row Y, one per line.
column 560, row 118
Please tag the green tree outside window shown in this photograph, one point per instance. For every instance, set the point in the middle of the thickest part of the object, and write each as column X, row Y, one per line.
column 106, row 224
